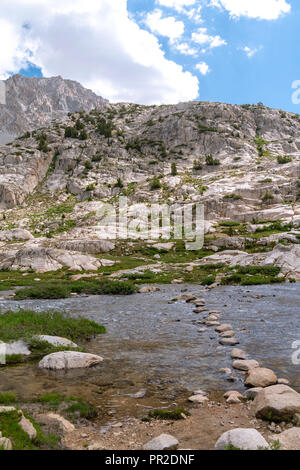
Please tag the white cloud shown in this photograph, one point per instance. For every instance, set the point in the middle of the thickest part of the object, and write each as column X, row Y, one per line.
column 260, row 9
column 204, row 39
column 186, row 49
column 251, row 51
column 96, row 43
column 177, row 4
column 203, row 68
column 168, row 27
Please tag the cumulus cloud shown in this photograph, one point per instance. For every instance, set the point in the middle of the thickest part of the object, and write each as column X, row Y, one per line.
column 250, row 52
column 204, row 39
column 203, row 68
column 96, row 43
column 177, row 4
column 185, row 49
column 168, row 27
column 260, row 9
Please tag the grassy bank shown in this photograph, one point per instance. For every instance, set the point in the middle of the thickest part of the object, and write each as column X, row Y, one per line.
column 252, row 276
column 25, row 324
column 63, row 289
column 10, row 428
column 71, row 407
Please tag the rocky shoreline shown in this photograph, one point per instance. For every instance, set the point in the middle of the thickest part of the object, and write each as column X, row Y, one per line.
column 268, row 406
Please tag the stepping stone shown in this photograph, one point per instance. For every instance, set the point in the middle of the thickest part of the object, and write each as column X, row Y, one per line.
column 198, row 301
column 224, row 327
column 238, row 354
column 200, row 310
column 245, row 365
column 211, row 323
column 229, row 341
column 212, row 318
column 227, row 334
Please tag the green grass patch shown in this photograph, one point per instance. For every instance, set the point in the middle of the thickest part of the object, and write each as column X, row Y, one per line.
column 72, row 406
column 51, row 400
column 174, row 414
column 10, row 428
column 25, row 324
column 253, row 270
column 79, row 407
column 60, row 210
column 63, row 289
column 7, row 398
column 208, row 280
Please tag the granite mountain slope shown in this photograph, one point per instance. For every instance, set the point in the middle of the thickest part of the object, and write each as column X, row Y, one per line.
column 241, row 162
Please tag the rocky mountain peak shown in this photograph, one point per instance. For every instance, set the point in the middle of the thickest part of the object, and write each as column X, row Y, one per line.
column 34, row 102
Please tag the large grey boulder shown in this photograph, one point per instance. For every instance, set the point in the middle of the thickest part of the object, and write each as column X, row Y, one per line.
column 92, row 247
column 53, row 418
column 252, row 393
column 288, row 440
column 260, row 377
column 15, row 234
column 242, row 439
column 278, row 402
column 162, row 442
column 42, row 260
column 69, row 360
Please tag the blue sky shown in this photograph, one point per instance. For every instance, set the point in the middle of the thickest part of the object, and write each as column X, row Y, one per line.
column 159, row 51
column 264, row 73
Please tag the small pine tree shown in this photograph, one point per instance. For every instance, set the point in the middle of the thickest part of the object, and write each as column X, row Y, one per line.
column 173, row 169
column 119, row 183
